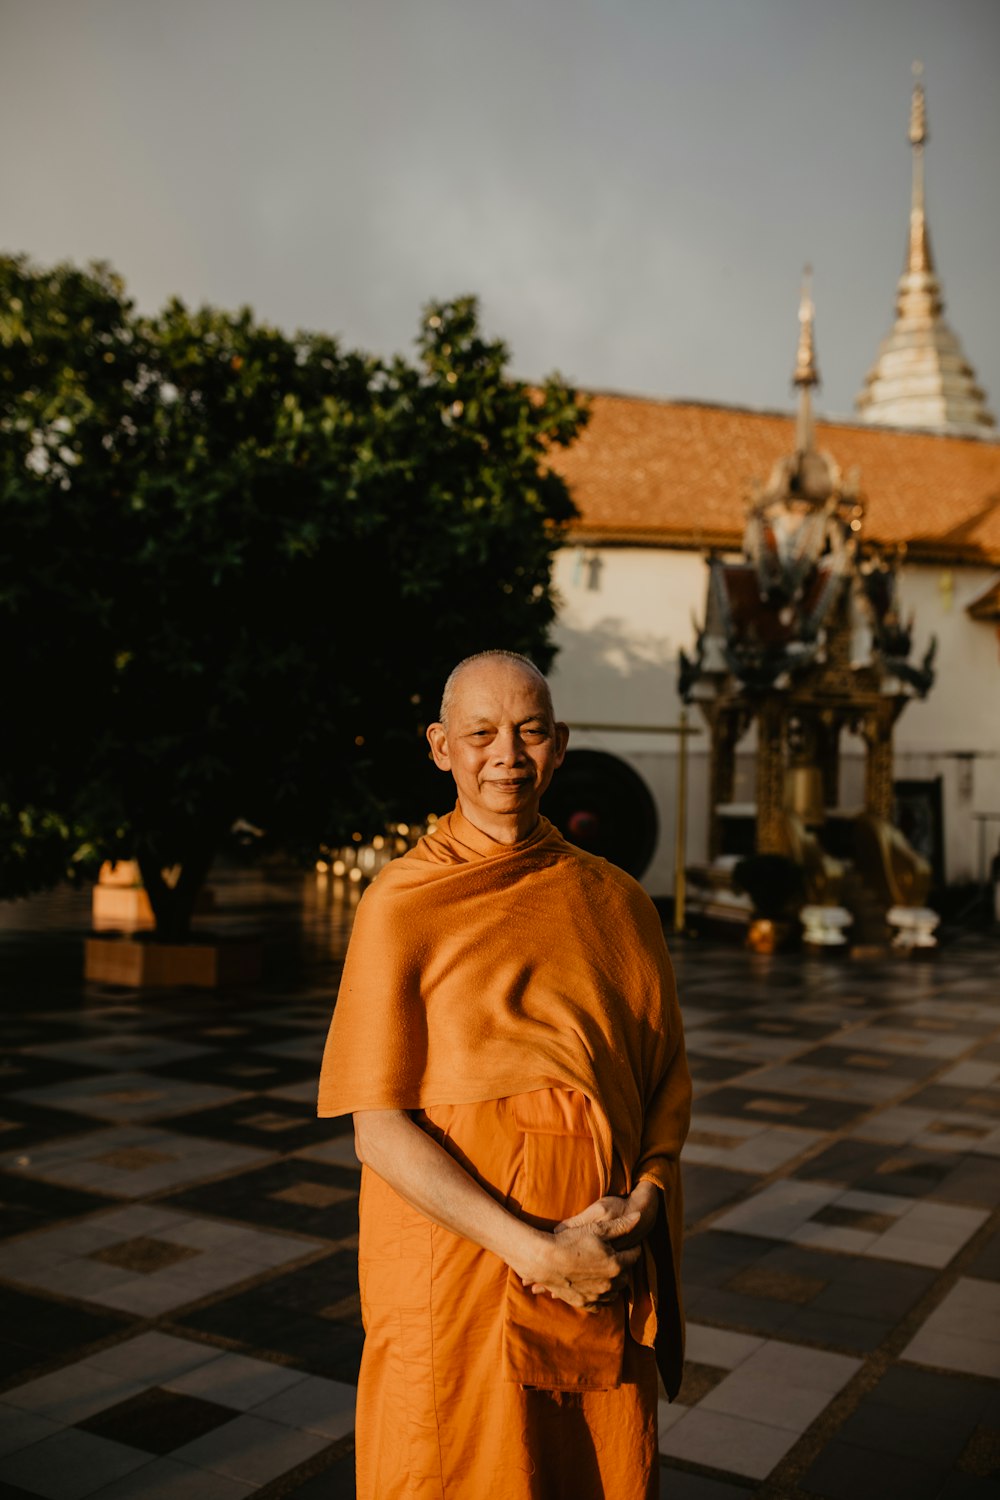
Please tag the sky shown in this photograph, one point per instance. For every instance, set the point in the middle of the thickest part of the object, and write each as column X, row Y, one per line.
column 631, row 187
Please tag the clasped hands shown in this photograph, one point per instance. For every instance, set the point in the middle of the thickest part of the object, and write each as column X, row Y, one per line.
column 586, row 1259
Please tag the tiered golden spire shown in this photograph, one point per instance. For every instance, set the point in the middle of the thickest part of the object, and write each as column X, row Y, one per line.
column 921, row 377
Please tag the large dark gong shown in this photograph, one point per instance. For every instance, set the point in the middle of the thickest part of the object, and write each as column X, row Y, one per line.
column 599, row 803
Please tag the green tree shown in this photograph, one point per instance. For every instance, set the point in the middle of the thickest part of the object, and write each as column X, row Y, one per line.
column 237, row 565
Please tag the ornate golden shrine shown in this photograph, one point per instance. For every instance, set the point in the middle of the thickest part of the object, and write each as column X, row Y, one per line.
column 803, row 638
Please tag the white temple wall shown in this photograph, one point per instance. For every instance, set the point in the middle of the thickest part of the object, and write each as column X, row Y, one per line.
column 625, row 612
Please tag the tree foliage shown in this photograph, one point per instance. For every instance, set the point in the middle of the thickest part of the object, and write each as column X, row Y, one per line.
column 237, row 565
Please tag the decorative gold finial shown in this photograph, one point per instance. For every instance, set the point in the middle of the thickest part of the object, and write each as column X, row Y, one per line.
column 919, row 260
column 918, row 109
column 806, row 372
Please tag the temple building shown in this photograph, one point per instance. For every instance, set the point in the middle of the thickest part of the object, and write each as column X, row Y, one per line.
column 860, row 579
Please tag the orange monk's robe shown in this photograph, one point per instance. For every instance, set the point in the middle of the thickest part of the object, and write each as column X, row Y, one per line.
column 520, row 1001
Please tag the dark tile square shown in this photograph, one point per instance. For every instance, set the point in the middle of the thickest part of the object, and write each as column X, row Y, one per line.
column 778, row 1286
column 315, row 1287
column 929, row 1436
column 336, row 1482
column 839, row 1217
column 844, row 1472
column 942, row 1098
column 858, row 1060
column 26, row 1203
column 973, row 1182
column 311, row 1342
column 844, row 1332
column 796, row 1029
column 870, row 1167
column 986, row 1265
column 238, row 1069
column 708, row 1188
column 33, row 1329
column 269, row 1124
column 293, row 1314
column 253, row 1197
column 981, row 1455
column 711, row 1257
column 706, row 1070
column 158, row 1421
column 965, row 1487
column 759, row 1105
column 23, row 1123
column 953, row 1398
column 698, row 1381
column 762, row 1316
column 675, row 1484
column 143, row 1255
column 30, row 1072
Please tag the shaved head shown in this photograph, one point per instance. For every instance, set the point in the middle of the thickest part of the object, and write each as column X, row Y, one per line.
column 513, row 657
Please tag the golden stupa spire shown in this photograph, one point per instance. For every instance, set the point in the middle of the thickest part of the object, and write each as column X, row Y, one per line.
column 921, row 377
column 806, row 372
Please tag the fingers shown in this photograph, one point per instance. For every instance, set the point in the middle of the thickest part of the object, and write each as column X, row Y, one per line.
column 609, row 1229
column 588, row 1215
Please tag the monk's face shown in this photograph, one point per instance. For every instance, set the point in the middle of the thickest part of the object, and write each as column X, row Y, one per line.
column 501, row 744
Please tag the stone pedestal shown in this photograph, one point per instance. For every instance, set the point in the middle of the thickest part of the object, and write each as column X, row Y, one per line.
column 913, row 927
column 825, row 926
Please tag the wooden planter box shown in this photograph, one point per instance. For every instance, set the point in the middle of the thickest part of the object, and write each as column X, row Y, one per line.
column 147, row 964
column 121, row 907
column 121, row 903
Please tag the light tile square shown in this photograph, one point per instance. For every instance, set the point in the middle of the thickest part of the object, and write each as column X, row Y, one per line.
column 131, row 1161
column 128, row 1096
column 719, row 1347
column 314, row 1405
column 237, row 1381
column 153, row 1358
column 251, row 1449
column 73, row 1393
column 782, row 1385
column 963, row 1332
column 226, row 1254
column 725, row 1442
column 336, row 1152
column 19, row 1429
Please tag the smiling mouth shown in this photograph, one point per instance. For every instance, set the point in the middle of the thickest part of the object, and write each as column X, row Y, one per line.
column 512, row 785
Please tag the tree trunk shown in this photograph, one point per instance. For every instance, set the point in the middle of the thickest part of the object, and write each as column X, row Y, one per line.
column 173, row 906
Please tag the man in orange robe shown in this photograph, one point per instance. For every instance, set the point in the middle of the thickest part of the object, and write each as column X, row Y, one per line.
column 508, row 1040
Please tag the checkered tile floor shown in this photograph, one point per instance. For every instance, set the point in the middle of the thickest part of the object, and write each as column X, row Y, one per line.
column 178, row 1300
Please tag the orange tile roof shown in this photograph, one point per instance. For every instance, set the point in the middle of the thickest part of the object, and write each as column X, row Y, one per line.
column 660, row 473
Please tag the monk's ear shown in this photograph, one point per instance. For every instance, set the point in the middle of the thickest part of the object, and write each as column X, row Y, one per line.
column 562, row 740
column 437, row 738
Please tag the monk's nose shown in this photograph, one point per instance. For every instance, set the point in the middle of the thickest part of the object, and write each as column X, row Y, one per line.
column 510, row 749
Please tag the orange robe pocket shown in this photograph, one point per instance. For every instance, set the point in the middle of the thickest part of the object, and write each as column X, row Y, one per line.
column 546, row 1343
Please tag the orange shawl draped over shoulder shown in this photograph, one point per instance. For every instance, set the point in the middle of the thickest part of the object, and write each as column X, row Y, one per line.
column 478, row 970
